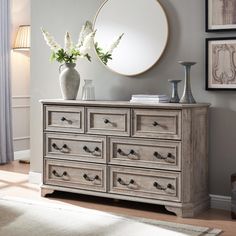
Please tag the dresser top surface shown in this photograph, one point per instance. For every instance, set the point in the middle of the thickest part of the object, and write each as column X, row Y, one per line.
column 110, row 103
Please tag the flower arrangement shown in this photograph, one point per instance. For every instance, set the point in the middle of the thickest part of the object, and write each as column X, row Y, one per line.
column 105, row 56
column 71, row 52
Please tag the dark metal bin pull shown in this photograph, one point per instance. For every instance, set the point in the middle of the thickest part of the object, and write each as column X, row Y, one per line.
column 168, row 158
column 91, row 179
column 62, row 149
column 158, row 186
column 122, row 182
column 54, row 172
column 86, row 149
column 131, row 152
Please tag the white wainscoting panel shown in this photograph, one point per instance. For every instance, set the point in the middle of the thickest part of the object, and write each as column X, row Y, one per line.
column 21, row 122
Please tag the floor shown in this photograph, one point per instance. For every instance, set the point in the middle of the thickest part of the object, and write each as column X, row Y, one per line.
column 14, row 182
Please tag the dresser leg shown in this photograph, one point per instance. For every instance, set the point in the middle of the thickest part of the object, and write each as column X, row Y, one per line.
column 177, row 210
column 45, row 191
column 190, row 210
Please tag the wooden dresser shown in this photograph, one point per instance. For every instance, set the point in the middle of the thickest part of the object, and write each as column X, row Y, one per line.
column 146, row 153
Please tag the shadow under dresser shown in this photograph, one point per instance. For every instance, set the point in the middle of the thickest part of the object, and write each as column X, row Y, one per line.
column 139, row 152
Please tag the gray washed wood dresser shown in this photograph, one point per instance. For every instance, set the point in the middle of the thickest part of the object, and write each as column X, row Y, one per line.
column 146, row 153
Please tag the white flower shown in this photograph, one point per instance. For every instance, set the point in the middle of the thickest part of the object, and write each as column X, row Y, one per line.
column 68, row 42
column 87, row 43
column 50, row 40
column 115, row 44
column 86, row 29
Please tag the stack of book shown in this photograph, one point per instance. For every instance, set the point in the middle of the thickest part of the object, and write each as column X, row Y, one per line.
column 143, row 98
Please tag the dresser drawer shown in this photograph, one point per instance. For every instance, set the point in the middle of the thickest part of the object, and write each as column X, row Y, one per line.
column 64, row 118
column 108, row 121
column 145, row 153
column 156, row 123
column 75, row 175
column 75, row 147
column 145, row 183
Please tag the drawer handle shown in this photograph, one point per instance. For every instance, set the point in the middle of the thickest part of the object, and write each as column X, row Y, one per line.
column 169, row 158
column 58, row 175
column 155, row 124
column 122, row 182
column 131, row 152
column 86, row 149
column 62, row 149
column 87, row 178
column 106, row 121
column 159, row 187
column 68, row 121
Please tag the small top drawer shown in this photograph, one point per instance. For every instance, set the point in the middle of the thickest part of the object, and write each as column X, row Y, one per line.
column 156, row 123
column 64, row 118
column 108, row 121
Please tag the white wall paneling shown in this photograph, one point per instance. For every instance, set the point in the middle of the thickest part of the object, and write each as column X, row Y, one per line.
column 20, row 111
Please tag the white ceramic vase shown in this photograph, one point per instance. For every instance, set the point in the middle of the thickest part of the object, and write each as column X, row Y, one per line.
column 69, row 81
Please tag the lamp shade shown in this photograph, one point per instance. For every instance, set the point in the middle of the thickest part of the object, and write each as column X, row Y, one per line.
column 22, row 41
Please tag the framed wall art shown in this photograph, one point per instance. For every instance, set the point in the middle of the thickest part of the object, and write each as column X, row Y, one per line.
column 221, row 63
column 220, row 15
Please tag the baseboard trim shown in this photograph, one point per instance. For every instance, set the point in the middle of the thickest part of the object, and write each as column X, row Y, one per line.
column 24, row 154
column 35, row 178
column 220, row 202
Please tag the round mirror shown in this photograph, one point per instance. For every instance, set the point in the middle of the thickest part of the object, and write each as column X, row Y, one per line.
column 141, row 28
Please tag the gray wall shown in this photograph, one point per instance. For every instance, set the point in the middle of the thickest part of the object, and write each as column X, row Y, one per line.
column 186, row 18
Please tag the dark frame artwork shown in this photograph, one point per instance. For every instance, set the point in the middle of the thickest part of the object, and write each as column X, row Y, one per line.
column 220, row 15
column 221, row 63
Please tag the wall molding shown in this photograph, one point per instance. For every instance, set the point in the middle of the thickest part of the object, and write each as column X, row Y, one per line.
column 24, row 154
column 35, row 178
column 21, row 106
column 21, row 138
column 21, row 97
column 220, row 202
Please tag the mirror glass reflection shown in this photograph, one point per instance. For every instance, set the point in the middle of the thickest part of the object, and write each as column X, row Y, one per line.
column 142, row 29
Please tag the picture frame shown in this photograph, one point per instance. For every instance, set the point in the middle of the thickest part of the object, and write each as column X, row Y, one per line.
column 221, row 63
column 220, row 15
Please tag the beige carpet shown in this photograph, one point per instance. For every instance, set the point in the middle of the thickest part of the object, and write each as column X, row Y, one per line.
column 22, row 217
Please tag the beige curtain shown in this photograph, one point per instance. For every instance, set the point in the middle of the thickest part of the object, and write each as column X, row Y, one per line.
column 6, row 141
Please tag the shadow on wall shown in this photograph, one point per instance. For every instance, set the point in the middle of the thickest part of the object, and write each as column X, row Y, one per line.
column 222, row 148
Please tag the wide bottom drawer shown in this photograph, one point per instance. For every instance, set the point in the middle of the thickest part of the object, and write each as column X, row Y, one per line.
column 75, row 175
column 163, row 185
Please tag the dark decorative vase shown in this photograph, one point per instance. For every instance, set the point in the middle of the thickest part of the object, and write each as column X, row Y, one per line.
column 174, row 95
column 187, row 95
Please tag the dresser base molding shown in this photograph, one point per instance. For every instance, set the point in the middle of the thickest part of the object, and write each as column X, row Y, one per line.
column 46, row 191
column 179, row 209
column 189, row 210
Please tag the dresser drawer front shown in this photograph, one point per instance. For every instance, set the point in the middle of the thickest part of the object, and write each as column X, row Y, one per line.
column 75, row 175
column 75, row 147
column 157, row 123
column 108, row 121
column 145, row 153
column 64, row 118
column 145, row 183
